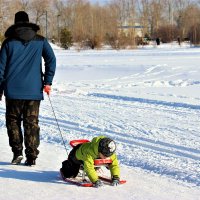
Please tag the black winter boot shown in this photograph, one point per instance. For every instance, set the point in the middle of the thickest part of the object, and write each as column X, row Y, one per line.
column 16, row 159
column 30, row 162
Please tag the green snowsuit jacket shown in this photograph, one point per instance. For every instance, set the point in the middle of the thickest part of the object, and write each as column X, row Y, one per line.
column 88, row 152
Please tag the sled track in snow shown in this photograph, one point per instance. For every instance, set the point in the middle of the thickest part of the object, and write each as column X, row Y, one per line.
column 148, row 101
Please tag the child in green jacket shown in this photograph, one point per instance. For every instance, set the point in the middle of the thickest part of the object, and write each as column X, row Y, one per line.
column 85, row 154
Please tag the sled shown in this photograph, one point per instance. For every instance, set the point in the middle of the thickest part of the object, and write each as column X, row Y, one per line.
column 76, row 181
column 74, row 143
column 86, row 183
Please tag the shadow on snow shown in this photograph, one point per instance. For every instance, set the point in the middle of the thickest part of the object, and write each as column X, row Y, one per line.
column 35, row 176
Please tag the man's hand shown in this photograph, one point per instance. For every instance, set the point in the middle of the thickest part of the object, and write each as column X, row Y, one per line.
column 47, row 89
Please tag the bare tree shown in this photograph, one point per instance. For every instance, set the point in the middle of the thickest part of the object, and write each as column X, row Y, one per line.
column 181, row 17
column 6, row 15
column 144, row 15
column 126, row 20
column 39, row 10
column 21, row 5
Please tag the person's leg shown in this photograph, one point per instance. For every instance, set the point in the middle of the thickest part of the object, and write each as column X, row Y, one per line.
column 31, row 130
column 71, row 167
column 13, row 124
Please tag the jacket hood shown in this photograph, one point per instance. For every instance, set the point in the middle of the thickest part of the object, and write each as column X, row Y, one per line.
column 22, row 31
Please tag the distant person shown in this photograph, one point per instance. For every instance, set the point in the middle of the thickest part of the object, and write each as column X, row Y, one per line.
column 22, row 81
column 158, row 41
column 179, row 41
column 85, row 154
column 53, row 40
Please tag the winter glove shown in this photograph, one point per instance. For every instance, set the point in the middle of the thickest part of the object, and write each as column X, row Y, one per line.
column 47, row 89
column 98, row 184
column 115, row 181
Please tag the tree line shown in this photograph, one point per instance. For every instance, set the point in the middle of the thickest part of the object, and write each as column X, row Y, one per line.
column 119, row 23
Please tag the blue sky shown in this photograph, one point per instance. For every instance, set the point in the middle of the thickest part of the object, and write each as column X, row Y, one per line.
column 99, row 1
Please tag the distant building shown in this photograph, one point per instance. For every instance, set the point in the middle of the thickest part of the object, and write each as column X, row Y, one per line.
column 136, row 29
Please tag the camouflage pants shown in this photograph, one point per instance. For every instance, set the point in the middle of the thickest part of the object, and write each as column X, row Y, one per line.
column 26, row 111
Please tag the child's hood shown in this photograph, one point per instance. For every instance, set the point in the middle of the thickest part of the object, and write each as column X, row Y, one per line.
column 95, row 143
column 96, row 140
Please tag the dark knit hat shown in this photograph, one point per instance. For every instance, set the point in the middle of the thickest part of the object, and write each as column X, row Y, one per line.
column 21, row 17
column 107, row 147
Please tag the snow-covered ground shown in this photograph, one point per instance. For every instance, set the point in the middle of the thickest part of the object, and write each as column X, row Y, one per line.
column 147, row 100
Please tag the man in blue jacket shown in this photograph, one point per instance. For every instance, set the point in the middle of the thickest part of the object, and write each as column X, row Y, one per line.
column 22, row 81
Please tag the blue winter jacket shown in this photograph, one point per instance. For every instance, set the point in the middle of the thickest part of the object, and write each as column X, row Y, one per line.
column 21, row 75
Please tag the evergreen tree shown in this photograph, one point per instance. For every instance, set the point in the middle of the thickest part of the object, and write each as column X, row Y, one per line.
column 66, row 38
